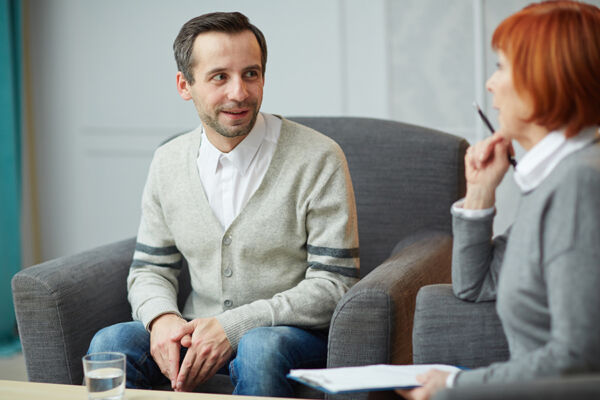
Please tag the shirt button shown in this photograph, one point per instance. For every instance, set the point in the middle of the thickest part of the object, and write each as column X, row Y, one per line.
column 227, row 240
column 227, row 272
column 228, row 303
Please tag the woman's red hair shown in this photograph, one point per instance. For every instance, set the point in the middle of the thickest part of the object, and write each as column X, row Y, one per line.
column 554, row 50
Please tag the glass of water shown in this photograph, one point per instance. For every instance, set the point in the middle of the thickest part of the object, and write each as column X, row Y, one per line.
column 104, row 375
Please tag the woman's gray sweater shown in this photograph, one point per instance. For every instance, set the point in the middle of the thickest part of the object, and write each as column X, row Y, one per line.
column 544, row 275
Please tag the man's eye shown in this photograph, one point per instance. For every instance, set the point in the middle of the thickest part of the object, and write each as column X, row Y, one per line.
column 251, row 74
column 219, row 77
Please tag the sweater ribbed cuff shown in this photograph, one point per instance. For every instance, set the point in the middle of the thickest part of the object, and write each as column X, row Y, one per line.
column 458, row 210
column 154, row 308
column 240, row 320
column 472, row 230
column 451, row 379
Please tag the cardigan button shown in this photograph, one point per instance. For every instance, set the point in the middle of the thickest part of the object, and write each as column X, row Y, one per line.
column 228, row 303
column 227, row 272
column 227, row 240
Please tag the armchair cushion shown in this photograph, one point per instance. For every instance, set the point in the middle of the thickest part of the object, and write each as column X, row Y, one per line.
column 451, row 331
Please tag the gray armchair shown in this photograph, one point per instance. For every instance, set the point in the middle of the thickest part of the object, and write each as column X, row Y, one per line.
column 451, row 331
column 405, row 179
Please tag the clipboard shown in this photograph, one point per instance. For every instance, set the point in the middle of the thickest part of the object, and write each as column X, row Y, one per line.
column 365, row 378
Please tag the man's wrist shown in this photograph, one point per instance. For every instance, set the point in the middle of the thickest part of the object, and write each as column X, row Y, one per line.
column 163, row 317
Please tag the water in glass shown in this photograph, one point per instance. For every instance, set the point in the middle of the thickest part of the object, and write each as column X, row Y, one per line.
column 105, row 383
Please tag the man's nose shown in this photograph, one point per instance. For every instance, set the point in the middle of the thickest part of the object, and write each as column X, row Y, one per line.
column 238, row 90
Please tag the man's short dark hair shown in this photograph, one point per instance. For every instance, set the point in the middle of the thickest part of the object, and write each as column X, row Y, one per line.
column 227, row 22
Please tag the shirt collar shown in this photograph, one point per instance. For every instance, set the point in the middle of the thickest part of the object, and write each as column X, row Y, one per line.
column 241, row 156
column 541, row 160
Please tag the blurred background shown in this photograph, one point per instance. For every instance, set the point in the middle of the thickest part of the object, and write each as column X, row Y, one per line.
column 88, row 93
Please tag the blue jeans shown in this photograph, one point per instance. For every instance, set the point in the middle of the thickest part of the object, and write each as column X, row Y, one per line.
column 259, row 368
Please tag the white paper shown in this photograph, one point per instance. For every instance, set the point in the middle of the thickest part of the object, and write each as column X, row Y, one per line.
column 370, row 377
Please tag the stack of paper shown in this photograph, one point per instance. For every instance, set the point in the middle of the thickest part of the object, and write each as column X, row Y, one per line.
column 367, row 378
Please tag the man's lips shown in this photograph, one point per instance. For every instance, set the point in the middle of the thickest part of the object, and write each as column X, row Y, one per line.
column 236, row 113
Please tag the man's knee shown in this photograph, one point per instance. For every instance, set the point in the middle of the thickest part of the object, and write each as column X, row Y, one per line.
column 120, row 337
column 264, row 357
column 262, row 339
column 266, row 346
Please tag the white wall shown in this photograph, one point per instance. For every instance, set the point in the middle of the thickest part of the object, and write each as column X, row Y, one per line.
column 104, row 95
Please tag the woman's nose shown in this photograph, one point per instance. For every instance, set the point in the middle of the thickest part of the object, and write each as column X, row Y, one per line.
column 489, row 84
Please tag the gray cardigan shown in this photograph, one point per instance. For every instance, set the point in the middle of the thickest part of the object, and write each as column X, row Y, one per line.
column 544, row 274
column 287, row 258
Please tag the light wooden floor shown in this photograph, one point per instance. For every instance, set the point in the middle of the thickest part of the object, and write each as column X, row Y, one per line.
column 13, row 368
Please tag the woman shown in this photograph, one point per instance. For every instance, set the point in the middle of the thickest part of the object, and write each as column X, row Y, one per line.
column 545, row 272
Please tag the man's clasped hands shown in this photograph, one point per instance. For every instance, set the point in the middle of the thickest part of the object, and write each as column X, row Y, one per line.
column 208, row 349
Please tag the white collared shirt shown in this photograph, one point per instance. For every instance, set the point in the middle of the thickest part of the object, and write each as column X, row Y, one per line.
column 230, row 179
column 538, row 163
column 541, row 160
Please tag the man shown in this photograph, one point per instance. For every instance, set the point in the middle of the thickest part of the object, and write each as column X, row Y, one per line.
column 263, row 211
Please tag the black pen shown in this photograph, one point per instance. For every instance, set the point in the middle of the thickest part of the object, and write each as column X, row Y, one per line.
column 486, row 121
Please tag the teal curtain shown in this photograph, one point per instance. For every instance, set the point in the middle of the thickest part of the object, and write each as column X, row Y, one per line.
column 10, row 166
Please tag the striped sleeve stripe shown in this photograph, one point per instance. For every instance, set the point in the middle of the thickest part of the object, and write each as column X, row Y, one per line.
column 332, row 252
column 139, row 263
column 156, row 251
column 351, row 272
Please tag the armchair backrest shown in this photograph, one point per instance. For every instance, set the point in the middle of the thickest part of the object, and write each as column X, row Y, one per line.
column 405, row 178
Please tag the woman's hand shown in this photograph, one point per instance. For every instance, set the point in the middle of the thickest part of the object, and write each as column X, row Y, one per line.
column 486, row 163
column 433, row 381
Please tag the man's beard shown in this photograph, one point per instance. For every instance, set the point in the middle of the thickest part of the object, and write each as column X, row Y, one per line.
column 234, row 131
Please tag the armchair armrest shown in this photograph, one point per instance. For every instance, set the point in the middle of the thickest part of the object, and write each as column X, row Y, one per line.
column 575, row 387
column 451, row 331
column 60, row 304
column 372, row 323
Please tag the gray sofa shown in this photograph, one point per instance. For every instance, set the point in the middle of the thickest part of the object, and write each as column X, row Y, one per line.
column 405, row 178
column 451, row 331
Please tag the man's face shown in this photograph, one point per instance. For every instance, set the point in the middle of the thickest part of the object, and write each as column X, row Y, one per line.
column 228, row 82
